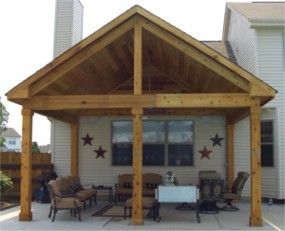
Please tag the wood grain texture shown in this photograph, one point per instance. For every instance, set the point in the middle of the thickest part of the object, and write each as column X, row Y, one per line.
column 26, row 166
column 255, row 206
column 137, row 211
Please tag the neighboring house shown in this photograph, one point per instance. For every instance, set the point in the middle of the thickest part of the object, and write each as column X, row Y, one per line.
column 12, row 140
column 256, row 34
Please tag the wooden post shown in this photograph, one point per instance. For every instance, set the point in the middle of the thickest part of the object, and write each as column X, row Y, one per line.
column 230, row 153
column 74, row 148
column 26, row 166
column 137, row 59
column 255, row 211
column 137, row 212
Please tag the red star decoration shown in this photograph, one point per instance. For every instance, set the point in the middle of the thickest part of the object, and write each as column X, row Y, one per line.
column 100, row 152
column 205, row 153
column 87, row 139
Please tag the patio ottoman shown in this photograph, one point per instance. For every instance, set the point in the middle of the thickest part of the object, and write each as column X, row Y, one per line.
column 147, row 203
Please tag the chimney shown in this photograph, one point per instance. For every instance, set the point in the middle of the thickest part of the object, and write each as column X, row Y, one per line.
column 68, row 26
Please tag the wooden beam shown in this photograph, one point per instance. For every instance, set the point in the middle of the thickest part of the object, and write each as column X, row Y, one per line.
column 196, row 54
column 137, row 59
column 231, row 100
column 230, row 154
column 74, row 127
column 59, row 115
column 234, row 100
column 26, row 166
column 137, row 211
column 255, row 207
column 82, row 55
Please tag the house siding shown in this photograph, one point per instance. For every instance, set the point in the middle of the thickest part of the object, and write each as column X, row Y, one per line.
column 261, row 52
column 270, row 63
column 60, row 139
column 101, row 171
column 242, row 40
column 68, row 25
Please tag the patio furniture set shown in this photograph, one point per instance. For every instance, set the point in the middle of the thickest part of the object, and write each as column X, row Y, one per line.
column 68, row 193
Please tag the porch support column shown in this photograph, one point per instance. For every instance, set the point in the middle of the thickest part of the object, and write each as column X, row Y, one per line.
column 74, row 127
column 255, row 211
column 230, row 154
column 26, row 166
column 137, row 212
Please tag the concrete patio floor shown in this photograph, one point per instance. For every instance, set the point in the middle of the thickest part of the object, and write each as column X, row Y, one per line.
column 171, row 220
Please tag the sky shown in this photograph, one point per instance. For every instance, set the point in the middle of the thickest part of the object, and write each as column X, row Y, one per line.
column 27, row 30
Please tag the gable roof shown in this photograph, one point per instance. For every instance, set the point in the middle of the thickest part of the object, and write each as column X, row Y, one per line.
column 121, row 26
column 260, row 11
column 222, row 47
column 11, row 132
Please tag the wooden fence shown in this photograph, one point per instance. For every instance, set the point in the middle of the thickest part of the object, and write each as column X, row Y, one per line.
column 10, row 164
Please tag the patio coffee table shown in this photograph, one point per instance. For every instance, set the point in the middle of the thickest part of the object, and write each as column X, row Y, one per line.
column 177, row 194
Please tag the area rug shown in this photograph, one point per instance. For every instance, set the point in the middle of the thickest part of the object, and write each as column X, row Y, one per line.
column 113, row 211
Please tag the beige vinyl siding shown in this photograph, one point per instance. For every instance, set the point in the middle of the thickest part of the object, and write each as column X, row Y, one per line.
column 101, row 171
column 261, row 51
column 77, row 22
column 269, row 181
column 242, row 151
column 68, row 20
column 270, row 62
column 60, row 139
column 242, row 40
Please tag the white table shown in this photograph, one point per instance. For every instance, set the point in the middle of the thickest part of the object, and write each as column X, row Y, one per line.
column 177, row 194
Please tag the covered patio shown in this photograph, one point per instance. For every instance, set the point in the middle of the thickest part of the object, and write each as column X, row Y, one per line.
column 171, row 220
column 139, row 65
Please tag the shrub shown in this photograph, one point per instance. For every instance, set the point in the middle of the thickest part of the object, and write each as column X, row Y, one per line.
column 5, row 182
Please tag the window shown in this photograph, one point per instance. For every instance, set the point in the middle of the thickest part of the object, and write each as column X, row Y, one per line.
column 164, row 143
column 267, row 143
column 180, row 143
column 153, row 143
column 12, row 142
column 122, row 139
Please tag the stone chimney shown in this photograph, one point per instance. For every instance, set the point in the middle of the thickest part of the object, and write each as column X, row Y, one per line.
column 68, row 26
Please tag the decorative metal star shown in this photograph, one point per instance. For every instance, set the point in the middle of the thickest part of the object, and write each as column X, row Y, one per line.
column 217, row 140
column 100, row 152
column 205, row 153
column 87, row 139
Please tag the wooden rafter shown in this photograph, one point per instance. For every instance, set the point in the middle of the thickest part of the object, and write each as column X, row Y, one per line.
column 156, row 71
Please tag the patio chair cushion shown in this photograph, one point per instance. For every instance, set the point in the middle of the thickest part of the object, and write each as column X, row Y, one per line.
column 68, row 202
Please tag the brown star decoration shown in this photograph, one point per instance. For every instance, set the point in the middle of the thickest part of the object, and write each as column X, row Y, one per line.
column 205, row 153
column 100, row 152
column 87, row 139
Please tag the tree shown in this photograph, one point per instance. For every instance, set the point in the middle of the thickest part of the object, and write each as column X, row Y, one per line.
column 35, row 147
column 3, row 122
